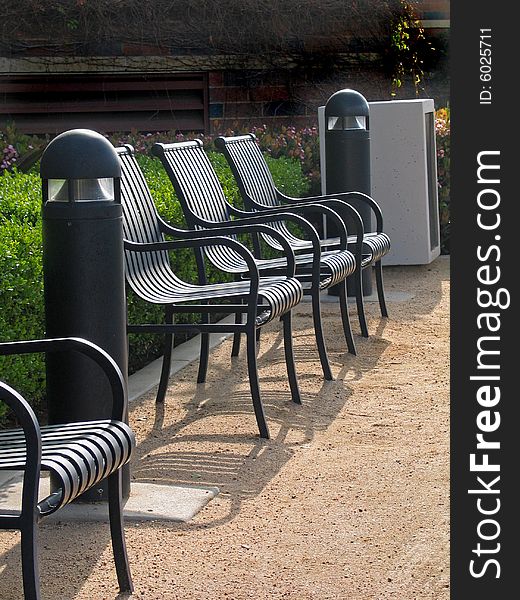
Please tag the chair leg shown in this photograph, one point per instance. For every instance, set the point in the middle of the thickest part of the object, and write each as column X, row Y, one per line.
column 289, row 357
column 347, row 329
column 165, row 370
column 204, row 357
column 318, row 332
column 204, row 351
column 30, row 570
column 254, row 384
column 117, row 532
column 167, row 358
column 359, row 302
column 380, row 288
column 235, row 350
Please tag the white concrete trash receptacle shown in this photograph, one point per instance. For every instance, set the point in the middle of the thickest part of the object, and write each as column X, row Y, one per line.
column 404, row 178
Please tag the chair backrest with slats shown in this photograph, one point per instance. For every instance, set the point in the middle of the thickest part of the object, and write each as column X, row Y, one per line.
column 200, row 193
column 253, row 177
column 195, row 181
column 141, row 225
column 249, row 168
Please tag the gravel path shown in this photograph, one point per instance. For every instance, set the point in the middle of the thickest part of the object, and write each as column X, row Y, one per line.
column 348, row 500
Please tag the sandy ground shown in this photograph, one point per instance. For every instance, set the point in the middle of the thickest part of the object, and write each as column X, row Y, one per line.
column 348, row 500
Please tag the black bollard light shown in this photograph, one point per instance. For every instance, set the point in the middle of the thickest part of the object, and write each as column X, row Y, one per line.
column 83, row 272
column 347, row 155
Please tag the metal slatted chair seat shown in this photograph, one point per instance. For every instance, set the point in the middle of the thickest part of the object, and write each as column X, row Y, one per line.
column 205, row 207
column 336, row 265
column 79, row 454
column 280, row 294
column 150, row 275
column 375, row 246
column 260, row 193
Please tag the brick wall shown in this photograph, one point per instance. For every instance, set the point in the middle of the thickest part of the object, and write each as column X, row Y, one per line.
column 238, row 99
column 246, row 97
column 241, row 99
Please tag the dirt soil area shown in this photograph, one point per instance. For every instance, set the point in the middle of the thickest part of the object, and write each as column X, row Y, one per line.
column 348, row 500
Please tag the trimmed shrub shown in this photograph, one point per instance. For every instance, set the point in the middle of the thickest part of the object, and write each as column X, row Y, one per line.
column 21, row 284
column 287, row 142
column 300, row 145
column 18, row 149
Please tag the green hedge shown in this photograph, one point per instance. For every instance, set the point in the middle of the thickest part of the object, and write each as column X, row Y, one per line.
column 21, row 285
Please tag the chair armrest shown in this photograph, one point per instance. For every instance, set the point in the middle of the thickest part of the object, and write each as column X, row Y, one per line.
column 205, row 238
column 301, row 203
column 314, row 208
column 213, row 228
column 97, row 354
column 344, row 196
column 33, row 442
column 320, row 207
column 255, row 223
column 168, row 229
column 252, row 220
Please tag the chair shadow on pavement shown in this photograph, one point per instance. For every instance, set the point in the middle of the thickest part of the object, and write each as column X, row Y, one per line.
column 205, row 434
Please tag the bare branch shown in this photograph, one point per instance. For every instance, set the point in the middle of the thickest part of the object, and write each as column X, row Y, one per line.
column 90, row 27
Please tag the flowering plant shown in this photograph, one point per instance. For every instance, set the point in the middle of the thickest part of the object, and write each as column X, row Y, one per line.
column 442, row 134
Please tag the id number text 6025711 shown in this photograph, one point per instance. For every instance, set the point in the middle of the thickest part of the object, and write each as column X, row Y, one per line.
column 485, row 66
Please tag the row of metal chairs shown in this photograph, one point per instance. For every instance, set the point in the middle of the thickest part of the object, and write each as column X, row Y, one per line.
column 263, row 288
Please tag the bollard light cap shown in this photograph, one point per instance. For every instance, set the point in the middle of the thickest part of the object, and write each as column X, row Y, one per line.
column 346, row 103
column 79, row 154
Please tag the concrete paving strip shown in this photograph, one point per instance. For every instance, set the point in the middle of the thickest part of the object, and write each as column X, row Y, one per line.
column 147, row 502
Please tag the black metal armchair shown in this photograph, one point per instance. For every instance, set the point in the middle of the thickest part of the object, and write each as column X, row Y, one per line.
column 79, row 455
column 149, row 274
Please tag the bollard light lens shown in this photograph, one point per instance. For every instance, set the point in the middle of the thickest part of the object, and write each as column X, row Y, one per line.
column 347, row 122
column 58, row 190
column 81, row 190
